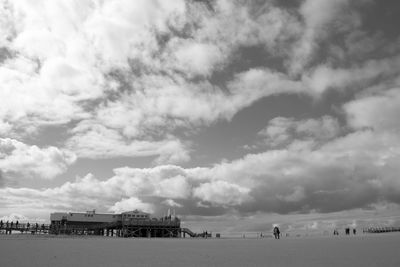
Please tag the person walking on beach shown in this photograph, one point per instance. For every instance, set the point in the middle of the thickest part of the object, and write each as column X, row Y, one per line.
column 1, row 224
column 277, row 233
column 335, row 232
column 16, row 224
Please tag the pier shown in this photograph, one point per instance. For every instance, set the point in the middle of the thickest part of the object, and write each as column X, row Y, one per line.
column 143, row 228
column 385, row 229
column 127, row 224
column 34, row 228
column 147, row 229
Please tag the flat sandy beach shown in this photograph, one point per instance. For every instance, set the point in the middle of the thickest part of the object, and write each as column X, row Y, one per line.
column 41, row 251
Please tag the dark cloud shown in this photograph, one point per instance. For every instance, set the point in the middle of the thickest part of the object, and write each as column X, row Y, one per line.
column 5, row 54
column 382, row 17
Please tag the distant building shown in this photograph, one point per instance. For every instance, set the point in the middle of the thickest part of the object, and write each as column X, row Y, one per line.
column 126, row 224
column 91, row 217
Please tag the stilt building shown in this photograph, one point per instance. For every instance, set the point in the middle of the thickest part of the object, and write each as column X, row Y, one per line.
column 127, row 224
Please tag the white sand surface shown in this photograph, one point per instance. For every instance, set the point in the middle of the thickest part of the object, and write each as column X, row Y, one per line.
column 40, row 251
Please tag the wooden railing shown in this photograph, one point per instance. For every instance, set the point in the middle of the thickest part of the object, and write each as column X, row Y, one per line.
column 385, row 229
column 24, row 227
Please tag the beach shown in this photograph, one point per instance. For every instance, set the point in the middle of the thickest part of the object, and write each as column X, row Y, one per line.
column 41, row 251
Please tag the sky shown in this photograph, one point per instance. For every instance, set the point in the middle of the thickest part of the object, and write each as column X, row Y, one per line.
column 237, row 114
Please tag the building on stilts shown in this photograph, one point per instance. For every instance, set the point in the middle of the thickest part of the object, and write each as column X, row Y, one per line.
column 126, row 224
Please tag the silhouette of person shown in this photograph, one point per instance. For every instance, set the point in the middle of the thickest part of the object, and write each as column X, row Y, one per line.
column 354, row 231
column 16, row 224
column 277, row 232
column 335, row 232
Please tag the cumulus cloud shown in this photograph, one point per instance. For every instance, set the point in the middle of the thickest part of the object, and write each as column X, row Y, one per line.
column 65, row 57
column 324, row 179
column 283, row 131
column 19, row 159
column 324, row 77
column 196, row 58
column 172, row 203
column 131, row 203
column 378, row 111
column 222, row 193
column 96, row 141
column 321, row 18
column 144, row 69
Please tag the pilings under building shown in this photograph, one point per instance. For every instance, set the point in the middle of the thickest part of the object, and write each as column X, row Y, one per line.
column 127, row 224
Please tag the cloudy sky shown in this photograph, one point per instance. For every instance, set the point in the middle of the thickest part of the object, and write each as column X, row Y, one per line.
column 238, row 114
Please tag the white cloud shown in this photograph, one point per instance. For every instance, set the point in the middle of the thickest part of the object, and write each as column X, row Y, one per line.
column 91, row 140
column 170, row 182
column 131, row 204
column 195, row 58
column 62, row 54
column 175, row 187
column 171, row 203
column 324, row 77
column 284, row 131
column 235, row 24
column 125, row 29
column 25, row 101
column 163, row 104
column 321, row 18
column 326, row 179
column 67, row 52
column 222, row 193
column 379, row 111
column 5, row 128
column 19, row 159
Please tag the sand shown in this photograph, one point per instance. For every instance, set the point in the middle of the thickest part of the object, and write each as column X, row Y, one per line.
column 41, row 251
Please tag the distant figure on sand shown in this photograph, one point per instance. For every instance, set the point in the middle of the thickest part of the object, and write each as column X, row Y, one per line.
column 354, row 231
column 347, row 230
column 335, row 232
column 277, row 233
